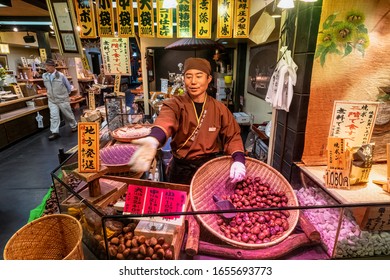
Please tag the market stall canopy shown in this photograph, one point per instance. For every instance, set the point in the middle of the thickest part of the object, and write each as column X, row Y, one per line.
column 186, row 44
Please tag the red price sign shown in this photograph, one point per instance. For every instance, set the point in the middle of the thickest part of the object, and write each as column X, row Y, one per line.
column 150, row 200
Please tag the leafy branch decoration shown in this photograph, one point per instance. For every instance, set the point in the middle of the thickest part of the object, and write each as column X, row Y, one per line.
column 342, row 37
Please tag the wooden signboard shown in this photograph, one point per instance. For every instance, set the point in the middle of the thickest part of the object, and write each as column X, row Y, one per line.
column 18, row 91
column 106, row 19
column 85, row 13
column 184, row 18
column 203, row 19
column 88, row 147
column 354, row 121
column 224, row 18
column 117, row 83
column 116, row 56
column 125, row 18
column 338, row 168
column 91, row 100
column 145, row 18
column 42, row 54
column 241, row 19
column 150, row 200
column 376, row 219
column 164, row 21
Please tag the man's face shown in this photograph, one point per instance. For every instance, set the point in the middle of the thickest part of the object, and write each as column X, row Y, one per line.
column 50, row 68
column 196, row 83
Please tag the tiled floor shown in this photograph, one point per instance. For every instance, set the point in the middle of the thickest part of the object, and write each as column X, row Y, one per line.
column 25, row 177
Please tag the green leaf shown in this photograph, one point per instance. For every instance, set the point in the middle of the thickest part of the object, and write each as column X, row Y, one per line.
column 328, row 22
column 336, row 23
column 323, row 56
column 362, row 28
column 348, row 49
column 319, row 50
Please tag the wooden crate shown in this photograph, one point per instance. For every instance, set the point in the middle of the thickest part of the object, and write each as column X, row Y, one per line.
column 179, row 230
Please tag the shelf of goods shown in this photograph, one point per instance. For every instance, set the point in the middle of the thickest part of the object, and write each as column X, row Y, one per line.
column 17, row 117
column 357, row 223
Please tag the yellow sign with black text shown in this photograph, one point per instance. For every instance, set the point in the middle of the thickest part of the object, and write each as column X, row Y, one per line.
column 184, row 18
column 164, row 21
column 145, row 18
column 106, row 18
column 88, row 147
column 224, row 18
column 125, row 18
column 203, row 19
column 86, row 18
column 241, row 19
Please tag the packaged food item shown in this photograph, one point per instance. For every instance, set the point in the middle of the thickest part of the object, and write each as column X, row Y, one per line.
column 361, row 163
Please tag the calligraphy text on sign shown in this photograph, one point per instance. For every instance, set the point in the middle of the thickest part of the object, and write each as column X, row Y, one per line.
column 86, row 18
column 106, row 18
column 353, row 121
column 336, row 178
column 184, row 18
column 116, row 56
column 241, row 19
column 125, row 18
column 203, row 19
column 88, row 147
column 145, row 18
column 151, row 200
column 164, row 21
column 376, row 219
column 224, row 22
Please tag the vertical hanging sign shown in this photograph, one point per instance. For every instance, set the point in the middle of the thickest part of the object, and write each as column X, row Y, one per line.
column 184, row 18
column 125, row 18
column 164, row 21
column 85, row 18
column 203, row 19
column 241, row 19
column 88, row 147
column 106, row 18
column 145, row 18
column 116, row 56
column 224, row 18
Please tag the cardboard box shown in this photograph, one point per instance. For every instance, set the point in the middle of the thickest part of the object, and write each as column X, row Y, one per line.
column 242, row 118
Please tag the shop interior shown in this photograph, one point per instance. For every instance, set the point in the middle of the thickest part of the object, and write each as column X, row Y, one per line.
column 287, row 145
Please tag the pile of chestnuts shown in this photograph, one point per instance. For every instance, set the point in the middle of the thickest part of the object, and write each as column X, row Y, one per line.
column 260, row 226
column 127, row 246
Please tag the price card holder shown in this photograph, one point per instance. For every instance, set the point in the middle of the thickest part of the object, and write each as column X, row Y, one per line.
column 24, row 61
column 150, row 200
column 117, row 84
column 18, row 91
column 91, row 100
column 339, row 162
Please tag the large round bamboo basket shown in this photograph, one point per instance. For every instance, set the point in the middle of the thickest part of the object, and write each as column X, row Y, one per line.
column 212, row 178
column 52, row 237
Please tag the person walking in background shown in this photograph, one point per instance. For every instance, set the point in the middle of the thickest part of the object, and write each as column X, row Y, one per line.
column 58, row 89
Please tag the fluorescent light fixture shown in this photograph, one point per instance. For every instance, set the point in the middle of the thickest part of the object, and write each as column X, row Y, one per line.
column 286, row 4
column 276, row 16
column 168, row 4
column 2, row 22
column 309, row 0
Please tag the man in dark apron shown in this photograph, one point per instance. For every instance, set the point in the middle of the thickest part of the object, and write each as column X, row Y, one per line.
column 200, row 127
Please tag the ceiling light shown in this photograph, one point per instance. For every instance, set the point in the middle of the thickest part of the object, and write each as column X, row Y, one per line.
column 15, row 29
column 168, row 4
column 286, row 4
column 3, row 22
column 5, row 3
column 309, row 0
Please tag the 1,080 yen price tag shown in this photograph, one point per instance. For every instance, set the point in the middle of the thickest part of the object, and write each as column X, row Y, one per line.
column 337, row 178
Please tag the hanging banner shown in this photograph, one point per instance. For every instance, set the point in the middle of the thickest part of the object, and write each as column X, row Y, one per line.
column 125, row 18
column 84, row 60
column 86, row 18
column 203, row 19
column 88, row 147
column 184, row 18
column 42, row 54
column 224, row 18
column 106, row 18
column 116, row 56
column 241, row 19
column 164, row 21
column 145, row 18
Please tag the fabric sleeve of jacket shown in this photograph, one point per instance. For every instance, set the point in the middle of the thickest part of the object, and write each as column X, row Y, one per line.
column 66, row 83
column 169, row 117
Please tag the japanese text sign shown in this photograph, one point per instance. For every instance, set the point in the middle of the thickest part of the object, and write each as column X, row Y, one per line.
column 42, row 54
column 224, row 18
column 145, row 18
column 151, row 200
column 86, row 18
column 338, row 168
column 203, row 19
column 125, row 18
column 106, row 18
column 184, row 18
column 117, row 83
column 354, row 121
column 241, row 19
column 88, row 147
column 164, row 21
column 376, row 219
column 116, row 56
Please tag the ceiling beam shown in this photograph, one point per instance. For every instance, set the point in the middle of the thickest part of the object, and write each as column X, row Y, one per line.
column 37, row 3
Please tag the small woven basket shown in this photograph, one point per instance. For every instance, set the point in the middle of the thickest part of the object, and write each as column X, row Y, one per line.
column 211, row 179
column 52, row 237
